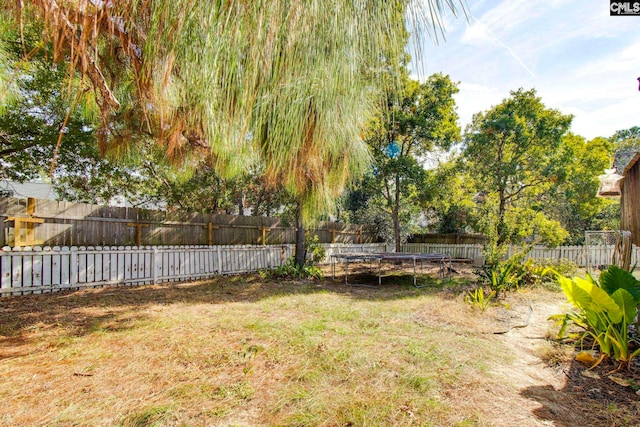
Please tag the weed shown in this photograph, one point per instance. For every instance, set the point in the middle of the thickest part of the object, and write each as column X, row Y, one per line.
column 154, row 416
column 241, row 390
column 478, row 298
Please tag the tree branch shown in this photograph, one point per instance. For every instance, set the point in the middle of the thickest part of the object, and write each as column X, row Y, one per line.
column 89, row 64
column 12, row 150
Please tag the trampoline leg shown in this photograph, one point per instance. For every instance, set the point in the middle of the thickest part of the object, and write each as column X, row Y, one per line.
column 346, row 272
column 414, row 273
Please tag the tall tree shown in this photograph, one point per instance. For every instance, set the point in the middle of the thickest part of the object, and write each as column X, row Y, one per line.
column 289, row 82
column 573, row 201
column 626, row 143
column 451, row 206
column 286, row 81
column 419, row 118
column 513, row 152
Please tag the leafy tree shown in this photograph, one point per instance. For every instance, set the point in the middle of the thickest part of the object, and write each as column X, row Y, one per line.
column 514, row 154
column 32, row 120
column 419, row 118
column 39, row 113
column 573, row 201
column 290, row 83
column 626, row 144
column 451, row 206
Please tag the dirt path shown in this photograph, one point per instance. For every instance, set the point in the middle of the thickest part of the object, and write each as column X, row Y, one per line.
column 533, row 394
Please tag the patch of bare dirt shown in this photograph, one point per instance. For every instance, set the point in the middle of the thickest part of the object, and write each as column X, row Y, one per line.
column 553, row 392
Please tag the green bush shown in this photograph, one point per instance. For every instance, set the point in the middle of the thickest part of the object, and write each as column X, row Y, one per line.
column 502, row 276
column 315, row 251
column 289, row 270
column 604, row 311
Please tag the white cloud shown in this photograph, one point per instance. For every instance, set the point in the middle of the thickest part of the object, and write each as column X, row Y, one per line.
column 475, row 98
column 624, row 60
column 477, row 34
column 579, row 59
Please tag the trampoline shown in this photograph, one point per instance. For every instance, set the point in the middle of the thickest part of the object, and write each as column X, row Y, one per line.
column 443, row 260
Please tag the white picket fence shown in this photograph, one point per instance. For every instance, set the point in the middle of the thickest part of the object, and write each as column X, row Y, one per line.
column 39, row 270
column 583, row 256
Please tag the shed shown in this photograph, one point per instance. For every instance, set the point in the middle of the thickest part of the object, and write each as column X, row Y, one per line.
column 630, row 199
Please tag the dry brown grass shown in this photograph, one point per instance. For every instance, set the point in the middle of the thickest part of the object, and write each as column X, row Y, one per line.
column 242, row 351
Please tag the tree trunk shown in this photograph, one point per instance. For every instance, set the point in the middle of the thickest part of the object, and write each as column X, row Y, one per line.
column 300, row 235
column 500, row 226
column 396, row 229
column 240, row 202
column 395, row 214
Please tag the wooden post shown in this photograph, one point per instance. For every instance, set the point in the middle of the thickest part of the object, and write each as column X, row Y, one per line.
column 264, row 230
column 359, row 235
column 138, row 226
column 333, row 235
column 29, row 227
column 210, row 227
column 31, row 206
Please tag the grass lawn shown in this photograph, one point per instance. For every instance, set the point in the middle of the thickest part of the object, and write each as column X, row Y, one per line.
column 248, row 352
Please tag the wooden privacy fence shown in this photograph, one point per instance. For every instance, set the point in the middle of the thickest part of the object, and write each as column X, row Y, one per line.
column 448, row 238
column 39, row 270
column 31, row 222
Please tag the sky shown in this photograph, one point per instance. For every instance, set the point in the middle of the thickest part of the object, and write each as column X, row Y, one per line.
column 580, row 60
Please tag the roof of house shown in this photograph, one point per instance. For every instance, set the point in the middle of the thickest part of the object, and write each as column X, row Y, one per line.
column 37, row 190
column 631, row 162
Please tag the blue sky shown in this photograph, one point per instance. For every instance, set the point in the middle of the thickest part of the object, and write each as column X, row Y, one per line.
column 580, row 60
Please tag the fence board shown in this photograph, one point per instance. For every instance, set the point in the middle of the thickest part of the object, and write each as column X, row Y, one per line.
column 27, row 269
column 16, row 276
column 37, row 270
column 46, row 269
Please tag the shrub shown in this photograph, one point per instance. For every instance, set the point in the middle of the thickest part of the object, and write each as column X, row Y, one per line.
column 502, row 276
column 290, row 270
column 603, row 310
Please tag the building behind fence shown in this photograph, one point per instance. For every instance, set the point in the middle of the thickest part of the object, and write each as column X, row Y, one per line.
column 31, row 222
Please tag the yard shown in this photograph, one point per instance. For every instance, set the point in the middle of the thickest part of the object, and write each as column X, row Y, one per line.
column 247, row 351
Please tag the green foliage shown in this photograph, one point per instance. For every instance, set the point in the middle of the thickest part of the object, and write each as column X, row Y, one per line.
column 290, row 85
column 532, row 273
column 513, row 155
column 309, row 270
column 451, row 205
column 290, row 270
column 478, row 298
column 626, row 143
column 614, row 278
column 503, row 276
column 573, row 201
column 417, row 119
column 603, row 311
column 314, row 250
